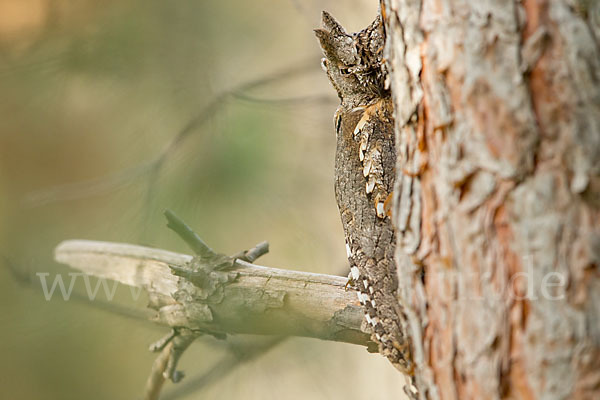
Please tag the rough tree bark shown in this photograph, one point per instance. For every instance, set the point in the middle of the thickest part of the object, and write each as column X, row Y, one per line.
column 497, row 194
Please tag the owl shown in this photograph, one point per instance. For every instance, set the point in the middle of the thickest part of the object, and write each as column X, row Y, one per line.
column 364, row 176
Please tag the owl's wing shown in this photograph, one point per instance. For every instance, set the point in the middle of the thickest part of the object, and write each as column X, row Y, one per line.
column 376, row 152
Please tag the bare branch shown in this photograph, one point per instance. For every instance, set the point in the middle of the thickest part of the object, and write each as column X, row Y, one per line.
column 259, row 300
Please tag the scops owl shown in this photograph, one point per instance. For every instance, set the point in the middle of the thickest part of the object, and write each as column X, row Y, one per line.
column 364, row 176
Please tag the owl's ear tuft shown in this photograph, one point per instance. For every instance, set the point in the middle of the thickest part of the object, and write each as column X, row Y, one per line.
column 322, row 34
column 325, row 39
column 332, row 25
column 377, row 24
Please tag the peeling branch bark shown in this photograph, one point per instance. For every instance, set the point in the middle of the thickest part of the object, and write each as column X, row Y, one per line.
column 260, row 300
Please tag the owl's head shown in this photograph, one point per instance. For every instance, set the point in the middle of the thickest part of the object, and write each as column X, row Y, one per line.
column 352, row 61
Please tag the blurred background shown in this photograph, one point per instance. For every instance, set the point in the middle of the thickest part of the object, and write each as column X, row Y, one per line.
column 112, row 111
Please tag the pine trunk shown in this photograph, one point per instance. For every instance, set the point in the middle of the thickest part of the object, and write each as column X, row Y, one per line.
column 497, row 200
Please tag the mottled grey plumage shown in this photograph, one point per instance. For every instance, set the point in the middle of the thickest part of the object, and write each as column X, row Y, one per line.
column 364, row 176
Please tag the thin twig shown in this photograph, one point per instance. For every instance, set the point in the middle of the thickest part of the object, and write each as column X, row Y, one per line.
column 156, row 378
column 152, row 167
column 186, row 233
column 223, row 368
column 254, row 253
column 287, row 101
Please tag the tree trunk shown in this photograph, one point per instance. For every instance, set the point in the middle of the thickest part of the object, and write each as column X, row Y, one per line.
column 497, row 200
